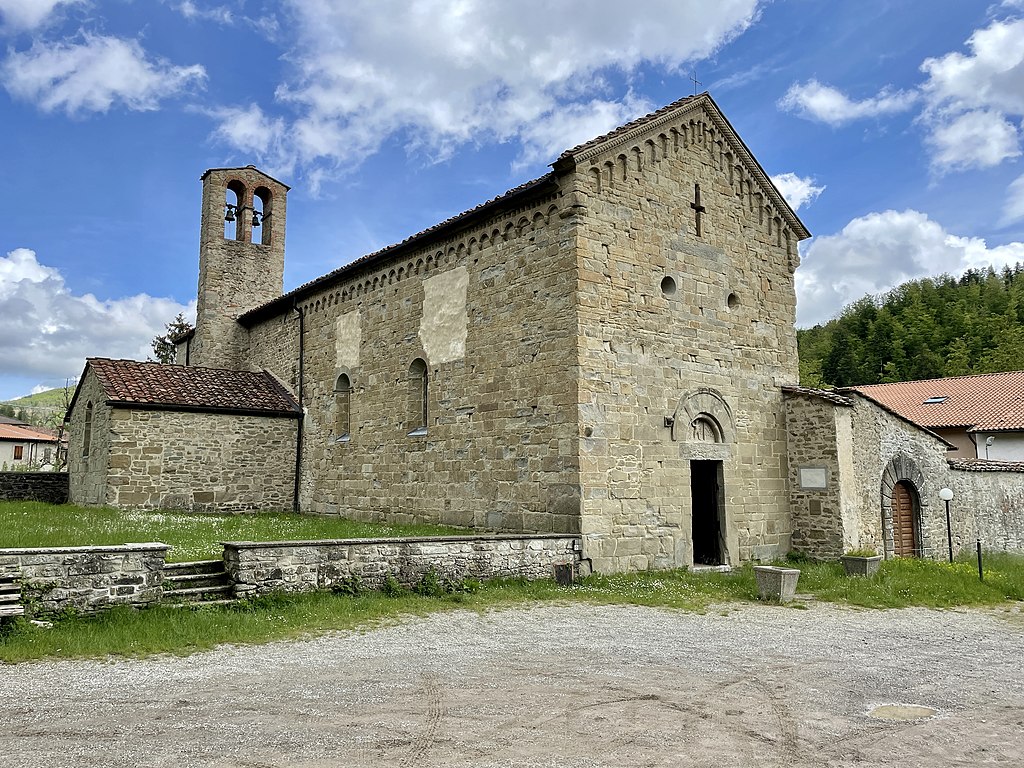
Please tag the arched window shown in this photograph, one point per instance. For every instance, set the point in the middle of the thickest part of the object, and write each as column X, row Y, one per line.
column 234, row 210
column 260, row 212
column 417, row 397
column 87, row 430
column 343, row 408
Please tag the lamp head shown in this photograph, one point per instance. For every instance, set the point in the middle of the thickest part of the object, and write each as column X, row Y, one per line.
column 946, row 494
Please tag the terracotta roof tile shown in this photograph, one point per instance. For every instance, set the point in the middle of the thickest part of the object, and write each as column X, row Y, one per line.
column 984, row 465
column 127, row 382
column 255, row 313
column 28, row 434
column 990, row 402
column 823, row 394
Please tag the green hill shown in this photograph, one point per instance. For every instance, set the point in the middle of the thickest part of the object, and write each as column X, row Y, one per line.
column 923, row 329
column 44, row 409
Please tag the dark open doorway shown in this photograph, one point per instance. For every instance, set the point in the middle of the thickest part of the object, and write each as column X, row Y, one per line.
column 706, row 497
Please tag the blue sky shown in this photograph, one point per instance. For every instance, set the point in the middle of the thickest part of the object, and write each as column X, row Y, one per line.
column 893, row 126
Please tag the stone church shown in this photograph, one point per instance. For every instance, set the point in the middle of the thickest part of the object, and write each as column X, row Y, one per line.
column 608, row 350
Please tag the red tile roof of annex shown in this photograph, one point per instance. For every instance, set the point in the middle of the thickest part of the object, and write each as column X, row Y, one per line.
column 128, row 382
column 25, row 434
column 989, row 402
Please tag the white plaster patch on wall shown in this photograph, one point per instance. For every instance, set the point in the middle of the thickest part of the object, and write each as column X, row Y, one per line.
column 348, row 335
column 445, row 322
column 847, row 479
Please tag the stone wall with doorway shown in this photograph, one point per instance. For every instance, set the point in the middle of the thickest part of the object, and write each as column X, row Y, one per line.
column 863, row 452
column 669, row 313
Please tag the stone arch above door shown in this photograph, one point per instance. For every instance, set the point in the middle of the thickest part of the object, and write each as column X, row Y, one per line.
column 903, row 469
column 703, row 416
column 704, row 422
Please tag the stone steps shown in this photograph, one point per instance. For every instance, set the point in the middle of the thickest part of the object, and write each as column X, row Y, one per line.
column 201, row 582
column 10, row 597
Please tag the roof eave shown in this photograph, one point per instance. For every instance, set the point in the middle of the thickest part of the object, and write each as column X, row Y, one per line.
column 571, row 159
column 284, row 303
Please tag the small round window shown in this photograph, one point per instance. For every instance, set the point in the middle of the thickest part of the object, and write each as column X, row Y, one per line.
column 668, row 286
column 733, row 301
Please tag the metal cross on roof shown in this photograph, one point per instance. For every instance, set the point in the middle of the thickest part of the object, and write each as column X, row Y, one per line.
column 696, row 82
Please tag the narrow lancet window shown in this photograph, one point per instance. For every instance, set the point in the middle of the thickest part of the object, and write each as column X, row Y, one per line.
column 417, row 420
column 234, row 211
column 343, row 408
column 87, row 430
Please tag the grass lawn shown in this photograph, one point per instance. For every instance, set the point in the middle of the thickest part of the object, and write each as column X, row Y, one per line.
column 191, row 536
column 162, row 629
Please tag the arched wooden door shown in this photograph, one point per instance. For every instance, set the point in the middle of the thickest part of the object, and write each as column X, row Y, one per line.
column 904, row 521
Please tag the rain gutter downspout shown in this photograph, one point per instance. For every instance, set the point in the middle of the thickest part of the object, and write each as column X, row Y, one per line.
column 302, row 409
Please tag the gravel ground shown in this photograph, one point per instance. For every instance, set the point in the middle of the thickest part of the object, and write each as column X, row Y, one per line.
column 568, row 686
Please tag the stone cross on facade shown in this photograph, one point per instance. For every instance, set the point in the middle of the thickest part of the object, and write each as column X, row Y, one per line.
column 698, row 209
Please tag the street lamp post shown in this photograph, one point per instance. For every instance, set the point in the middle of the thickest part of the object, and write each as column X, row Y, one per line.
column 946, row 495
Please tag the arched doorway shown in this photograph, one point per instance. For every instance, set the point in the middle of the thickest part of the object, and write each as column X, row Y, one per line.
column 904, row 520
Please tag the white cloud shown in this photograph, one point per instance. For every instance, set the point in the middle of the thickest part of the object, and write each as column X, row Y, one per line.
column 94, row 75
column 220, row 14
column 826, row 104
column 1013, row 208
column 798, row 190
column 972, row 99
column 48, row 331
column 976, row 139
column 439, row 73
column 877, row 252
column 30, row 14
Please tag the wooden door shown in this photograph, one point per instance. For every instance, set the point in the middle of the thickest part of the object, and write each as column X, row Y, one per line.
column 904, row 530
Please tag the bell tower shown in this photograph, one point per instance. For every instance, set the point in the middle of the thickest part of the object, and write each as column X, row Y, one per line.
column 241, row 259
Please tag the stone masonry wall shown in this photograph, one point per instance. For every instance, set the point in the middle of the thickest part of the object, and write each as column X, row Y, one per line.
column 88, row 474
column 817, row 511
column 201, row 462
column 87, row 579
column 886, row 449
column 994, row 502
column 666, row 315
column 235, row 274
column 305, row 566
column 490, row 311
column 51, row 487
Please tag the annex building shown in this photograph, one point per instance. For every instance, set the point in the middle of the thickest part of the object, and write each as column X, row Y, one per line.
column 608, row 350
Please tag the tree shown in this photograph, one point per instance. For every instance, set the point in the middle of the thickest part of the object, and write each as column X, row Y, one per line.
column 163, row 346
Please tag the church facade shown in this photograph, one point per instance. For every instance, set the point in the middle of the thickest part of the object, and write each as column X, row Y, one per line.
column 602, row 351
column 599, row 351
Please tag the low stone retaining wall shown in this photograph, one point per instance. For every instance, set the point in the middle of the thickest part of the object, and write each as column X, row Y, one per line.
column 51, row 487
column 87, row 579
column 306, row 566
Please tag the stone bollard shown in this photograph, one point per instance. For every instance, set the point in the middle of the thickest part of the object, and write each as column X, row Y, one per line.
column 775, row 584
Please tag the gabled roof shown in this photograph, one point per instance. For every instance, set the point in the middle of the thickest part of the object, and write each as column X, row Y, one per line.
column 630, row 131
column 25, row 434
column 822, row 394
column 990, row 402
column 249, row 167
column 539, row 187
column 9, row 420
column 131, row 384
column 511, row 199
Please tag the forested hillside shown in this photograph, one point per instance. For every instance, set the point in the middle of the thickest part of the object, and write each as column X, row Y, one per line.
column 924, row 329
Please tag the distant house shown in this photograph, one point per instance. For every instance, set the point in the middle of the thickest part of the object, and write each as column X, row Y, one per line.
column 983, row 416
column 22, row 445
